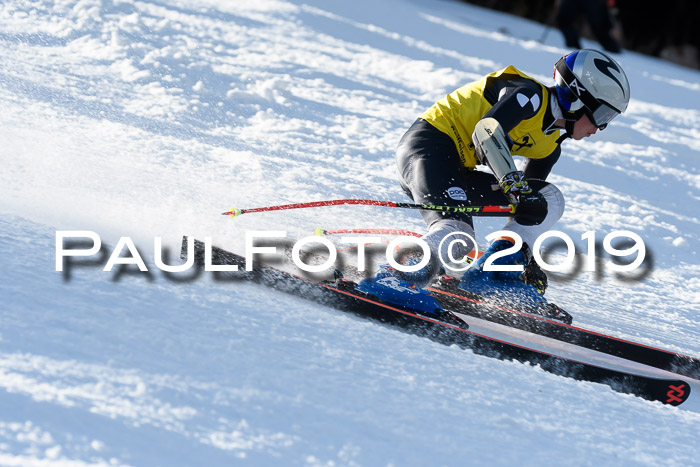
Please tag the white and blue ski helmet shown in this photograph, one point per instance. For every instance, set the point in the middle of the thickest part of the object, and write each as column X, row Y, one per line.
column 592, row 83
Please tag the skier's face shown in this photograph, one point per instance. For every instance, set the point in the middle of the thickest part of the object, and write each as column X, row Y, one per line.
column 583, row 128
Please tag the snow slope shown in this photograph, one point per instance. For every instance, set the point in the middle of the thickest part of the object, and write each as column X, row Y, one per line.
column 147, row 119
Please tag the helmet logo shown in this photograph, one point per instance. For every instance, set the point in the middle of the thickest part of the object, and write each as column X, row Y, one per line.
column 576, row 86
column 604, row 67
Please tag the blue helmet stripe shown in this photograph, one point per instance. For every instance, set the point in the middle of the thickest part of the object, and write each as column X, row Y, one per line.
column 563, row 97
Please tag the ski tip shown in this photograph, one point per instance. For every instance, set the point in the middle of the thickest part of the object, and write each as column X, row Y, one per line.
column 675, row 393
column 319, row 232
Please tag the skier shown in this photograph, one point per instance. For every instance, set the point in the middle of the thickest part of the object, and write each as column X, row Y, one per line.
column 599, row 17
column 485, row 123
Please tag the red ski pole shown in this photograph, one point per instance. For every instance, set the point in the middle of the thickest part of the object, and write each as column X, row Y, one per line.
column 505, row 210
column 405, row 233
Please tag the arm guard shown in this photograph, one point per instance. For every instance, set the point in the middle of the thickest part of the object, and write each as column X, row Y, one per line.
column 491, row 147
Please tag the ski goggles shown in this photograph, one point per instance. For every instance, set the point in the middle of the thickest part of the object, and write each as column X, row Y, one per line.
column 602, row 115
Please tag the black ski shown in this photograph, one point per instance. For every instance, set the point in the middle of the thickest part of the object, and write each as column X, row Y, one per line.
column 452, row 298
column 340, row 295
column 463, row 302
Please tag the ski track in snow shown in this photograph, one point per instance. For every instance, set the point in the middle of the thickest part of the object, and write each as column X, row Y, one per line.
column 148, row 119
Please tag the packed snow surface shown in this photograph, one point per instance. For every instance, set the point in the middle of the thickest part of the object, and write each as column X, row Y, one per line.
column 147, row 119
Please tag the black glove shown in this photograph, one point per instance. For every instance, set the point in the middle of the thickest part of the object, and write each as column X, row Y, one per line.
column 531, row 209
column 531, row 206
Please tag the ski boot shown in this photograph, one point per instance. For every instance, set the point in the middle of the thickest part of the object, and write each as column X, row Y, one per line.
column 405, row 290
column 523, row 287
column 523, row 291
